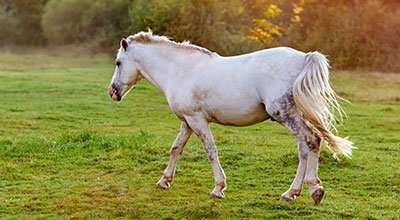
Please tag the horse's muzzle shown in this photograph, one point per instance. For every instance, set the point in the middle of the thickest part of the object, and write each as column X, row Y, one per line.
column 114, row 93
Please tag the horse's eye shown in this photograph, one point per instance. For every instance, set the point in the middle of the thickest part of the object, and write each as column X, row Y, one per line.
column 118, row 63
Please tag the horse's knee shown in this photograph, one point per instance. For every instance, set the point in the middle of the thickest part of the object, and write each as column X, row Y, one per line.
column 313, row 143
column 176, row 150
column 212, row 153
column 313, row 181
column 303, row 151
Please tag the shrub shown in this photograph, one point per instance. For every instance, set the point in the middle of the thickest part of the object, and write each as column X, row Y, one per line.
column 75, row 21
column 20, row 22
column 355, row 34
column 209, row 23
column 10, row 30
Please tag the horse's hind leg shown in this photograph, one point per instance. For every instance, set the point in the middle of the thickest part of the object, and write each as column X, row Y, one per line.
column 314, row 183
column 308, row 146
column 295, row 188
column 175, row 152
column 307, row 171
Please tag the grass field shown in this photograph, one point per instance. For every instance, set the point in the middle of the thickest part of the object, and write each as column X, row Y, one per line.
column 68, row 151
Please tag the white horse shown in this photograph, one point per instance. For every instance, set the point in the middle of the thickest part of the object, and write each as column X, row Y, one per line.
column 281, row 84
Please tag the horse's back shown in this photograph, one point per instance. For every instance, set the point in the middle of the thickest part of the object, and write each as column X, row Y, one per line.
column 275, row 63
column 271, row 71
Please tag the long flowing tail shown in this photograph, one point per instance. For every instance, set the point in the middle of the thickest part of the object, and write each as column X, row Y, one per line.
column 317, row 102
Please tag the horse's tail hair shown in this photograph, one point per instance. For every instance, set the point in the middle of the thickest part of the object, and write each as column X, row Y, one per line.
column 317, row 103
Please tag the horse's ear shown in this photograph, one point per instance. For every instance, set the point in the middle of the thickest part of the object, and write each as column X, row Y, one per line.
column 124, row 44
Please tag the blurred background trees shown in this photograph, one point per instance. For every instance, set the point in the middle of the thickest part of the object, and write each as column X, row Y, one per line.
column 20, row 22
column 100, row 23
column 354, row 33
column 218, row 25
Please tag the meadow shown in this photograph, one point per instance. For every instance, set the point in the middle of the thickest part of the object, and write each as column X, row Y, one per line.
column 68, row 151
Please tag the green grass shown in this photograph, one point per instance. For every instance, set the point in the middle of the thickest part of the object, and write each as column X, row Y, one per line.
column 68, row 151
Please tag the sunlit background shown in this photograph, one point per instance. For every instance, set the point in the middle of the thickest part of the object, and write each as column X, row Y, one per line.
column 353, row 33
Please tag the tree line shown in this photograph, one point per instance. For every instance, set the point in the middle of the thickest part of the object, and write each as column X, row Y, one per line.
column 353, row 33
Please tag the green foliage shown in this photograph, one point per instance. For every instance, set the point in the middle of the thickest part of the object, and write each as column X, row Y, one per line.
column 20, row 22
column 10, row 28
column 67, row 151
column 151, row 14
column 209, row 23
column 353, row 33
column 101, row 22
column 361, row 34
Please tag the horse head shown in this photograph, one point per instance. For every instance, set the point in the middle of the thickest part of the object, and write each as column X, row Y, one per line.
column 126, row 74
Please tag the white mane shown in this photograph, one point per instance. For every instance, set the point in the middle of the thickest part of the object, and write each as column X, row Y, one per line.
column 149, row 38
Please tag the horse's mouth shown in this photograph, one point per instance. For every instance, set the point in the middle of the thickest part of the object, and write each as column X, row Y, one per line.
column 114, row 93
column 116, row 97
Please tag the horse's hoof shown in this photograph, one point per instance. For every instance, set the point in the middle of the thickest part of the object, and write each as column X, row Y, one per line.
column 163, row 184
column 290, row 195
column 286, row 199
column 217, row 194
column 318, row 195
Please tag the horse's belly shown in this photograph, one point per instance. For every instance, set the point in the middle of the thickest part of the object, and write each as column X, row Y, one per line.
column 238, row 115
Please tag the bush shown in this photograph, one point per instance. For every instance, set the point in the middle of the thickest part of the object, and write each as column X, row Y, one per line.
column 353, row 34
column 209, row 23
column 102, row 22
column 10, row 32
column 20, row 22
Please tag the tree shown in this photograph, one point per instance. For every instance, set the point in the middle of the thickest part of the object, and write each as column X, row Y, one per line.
column 22, row 21
column 101, row 22
column 353, row 33
column 213, row 24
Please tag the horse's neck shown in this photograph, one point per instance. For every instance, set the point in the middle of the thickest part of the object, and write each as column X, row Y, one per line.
column 148, row 65
column 161, row 65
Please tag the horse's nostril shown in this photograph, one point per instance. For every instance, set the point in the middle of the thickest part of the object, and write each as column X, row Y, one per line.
column 113, row 91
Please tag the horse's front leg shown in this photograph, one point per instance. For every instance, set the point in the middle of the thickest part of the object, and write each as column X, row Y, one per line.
column 201, row 129
column 175, row 152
